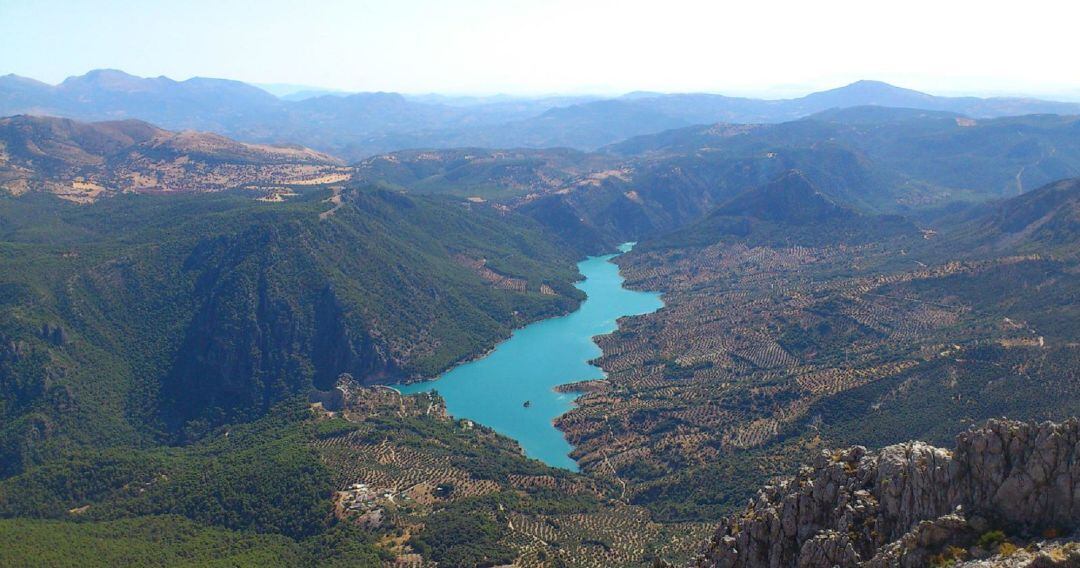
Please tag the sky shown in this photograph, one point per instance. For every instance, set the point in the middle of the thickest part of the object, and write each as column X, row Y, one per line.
column 765, row 48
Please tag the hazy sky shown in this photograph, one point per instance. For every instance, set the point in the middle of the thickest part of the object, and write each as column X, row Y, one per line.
column 776, row 47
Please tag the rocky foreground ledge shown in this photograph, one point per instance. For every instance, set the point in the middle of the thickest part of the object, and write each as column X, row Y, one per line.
column 1008, row 495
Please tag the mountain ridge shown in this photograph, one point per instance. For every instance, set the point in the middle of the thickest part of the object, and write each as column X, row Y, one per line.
column 328, row 122
column 787, row 211
column 83, row 161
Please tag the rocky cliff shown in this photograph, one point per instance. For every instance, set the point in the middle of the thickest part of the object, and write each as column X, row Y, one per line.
column 1000, row 498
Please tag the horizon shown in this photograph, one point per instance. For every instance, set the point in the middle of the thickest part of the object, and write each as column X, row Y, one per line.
column 281, row 90
column 531, row 49
column 334, row 283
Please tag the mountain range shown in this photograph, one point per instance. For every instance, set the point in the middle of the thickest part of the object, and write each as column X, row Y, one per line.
column 205, row 289
column 354, row 126
column 873, row 160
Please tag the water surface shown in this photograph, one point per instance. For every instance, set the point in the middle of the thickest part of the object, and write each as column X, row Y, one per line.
column 493, row 390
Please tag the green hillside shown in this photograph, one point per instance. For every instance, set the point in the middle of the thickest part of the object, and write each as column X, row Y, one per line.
column 786, row 211
column 149, row 541
column 141, row 319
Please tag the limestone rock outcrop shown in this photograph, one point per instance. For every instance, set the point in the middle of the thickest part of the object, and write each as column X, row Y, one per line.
column 1043, row 555
column 911, row 504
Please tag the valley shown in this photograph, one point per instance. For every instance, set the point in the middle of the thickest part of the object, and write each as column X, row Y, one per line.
column 409, row 343
column 764, row 352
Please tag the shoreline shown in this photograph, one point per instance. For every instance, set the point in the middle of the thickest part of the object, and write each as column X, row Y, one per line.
column 486, row 396
column 480, row 355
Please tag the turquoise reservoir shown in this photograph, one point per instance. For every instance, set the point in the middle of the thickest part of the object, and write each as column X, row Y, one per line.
column 527, row 367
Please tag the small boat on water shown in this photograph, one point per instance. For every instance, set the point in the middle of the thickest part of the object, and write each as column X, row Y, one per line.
column 527, row 404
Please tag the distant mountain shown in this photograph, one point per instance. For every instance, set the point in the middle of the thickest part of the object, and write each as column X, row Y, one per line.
column 869, row 159
column 706, row 108
column 538, row 104
column 363, row 124
column 583, row 126
column 292, row 92
column 496, row 174
column 587, row 125
column 354, row 125
column 645, row 197
column 862, row 93
column 217, row 105
column 592, row 124
column 81, row 161
column 22, row 94
column 787, row 211
column 305, row 95
column 222, row 106
column 928, row 156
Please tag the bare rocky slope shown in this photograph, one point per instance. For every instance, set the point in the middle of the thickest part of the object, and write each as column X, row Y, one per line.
column 1003, row 497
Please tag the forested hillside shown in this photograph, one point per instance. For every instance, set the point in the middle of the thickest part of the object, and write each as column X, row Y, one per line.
column 141, row 319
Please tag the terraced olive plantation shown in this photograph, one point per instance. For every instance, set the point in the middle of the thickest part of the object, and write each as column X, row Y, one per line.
column 756, row 346
column 400, row 463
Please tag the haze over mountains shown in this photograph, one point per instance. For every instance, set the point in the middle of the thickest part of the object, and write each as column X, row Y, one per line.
column 353, row 126
column 874, row 160
column 206, row 289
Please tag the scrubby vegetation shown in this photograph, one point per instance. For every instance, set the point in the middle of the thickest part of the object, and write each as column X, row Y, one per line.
column 148, row 541
column 463, row 537
column 769, row 350
column 262, row 478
